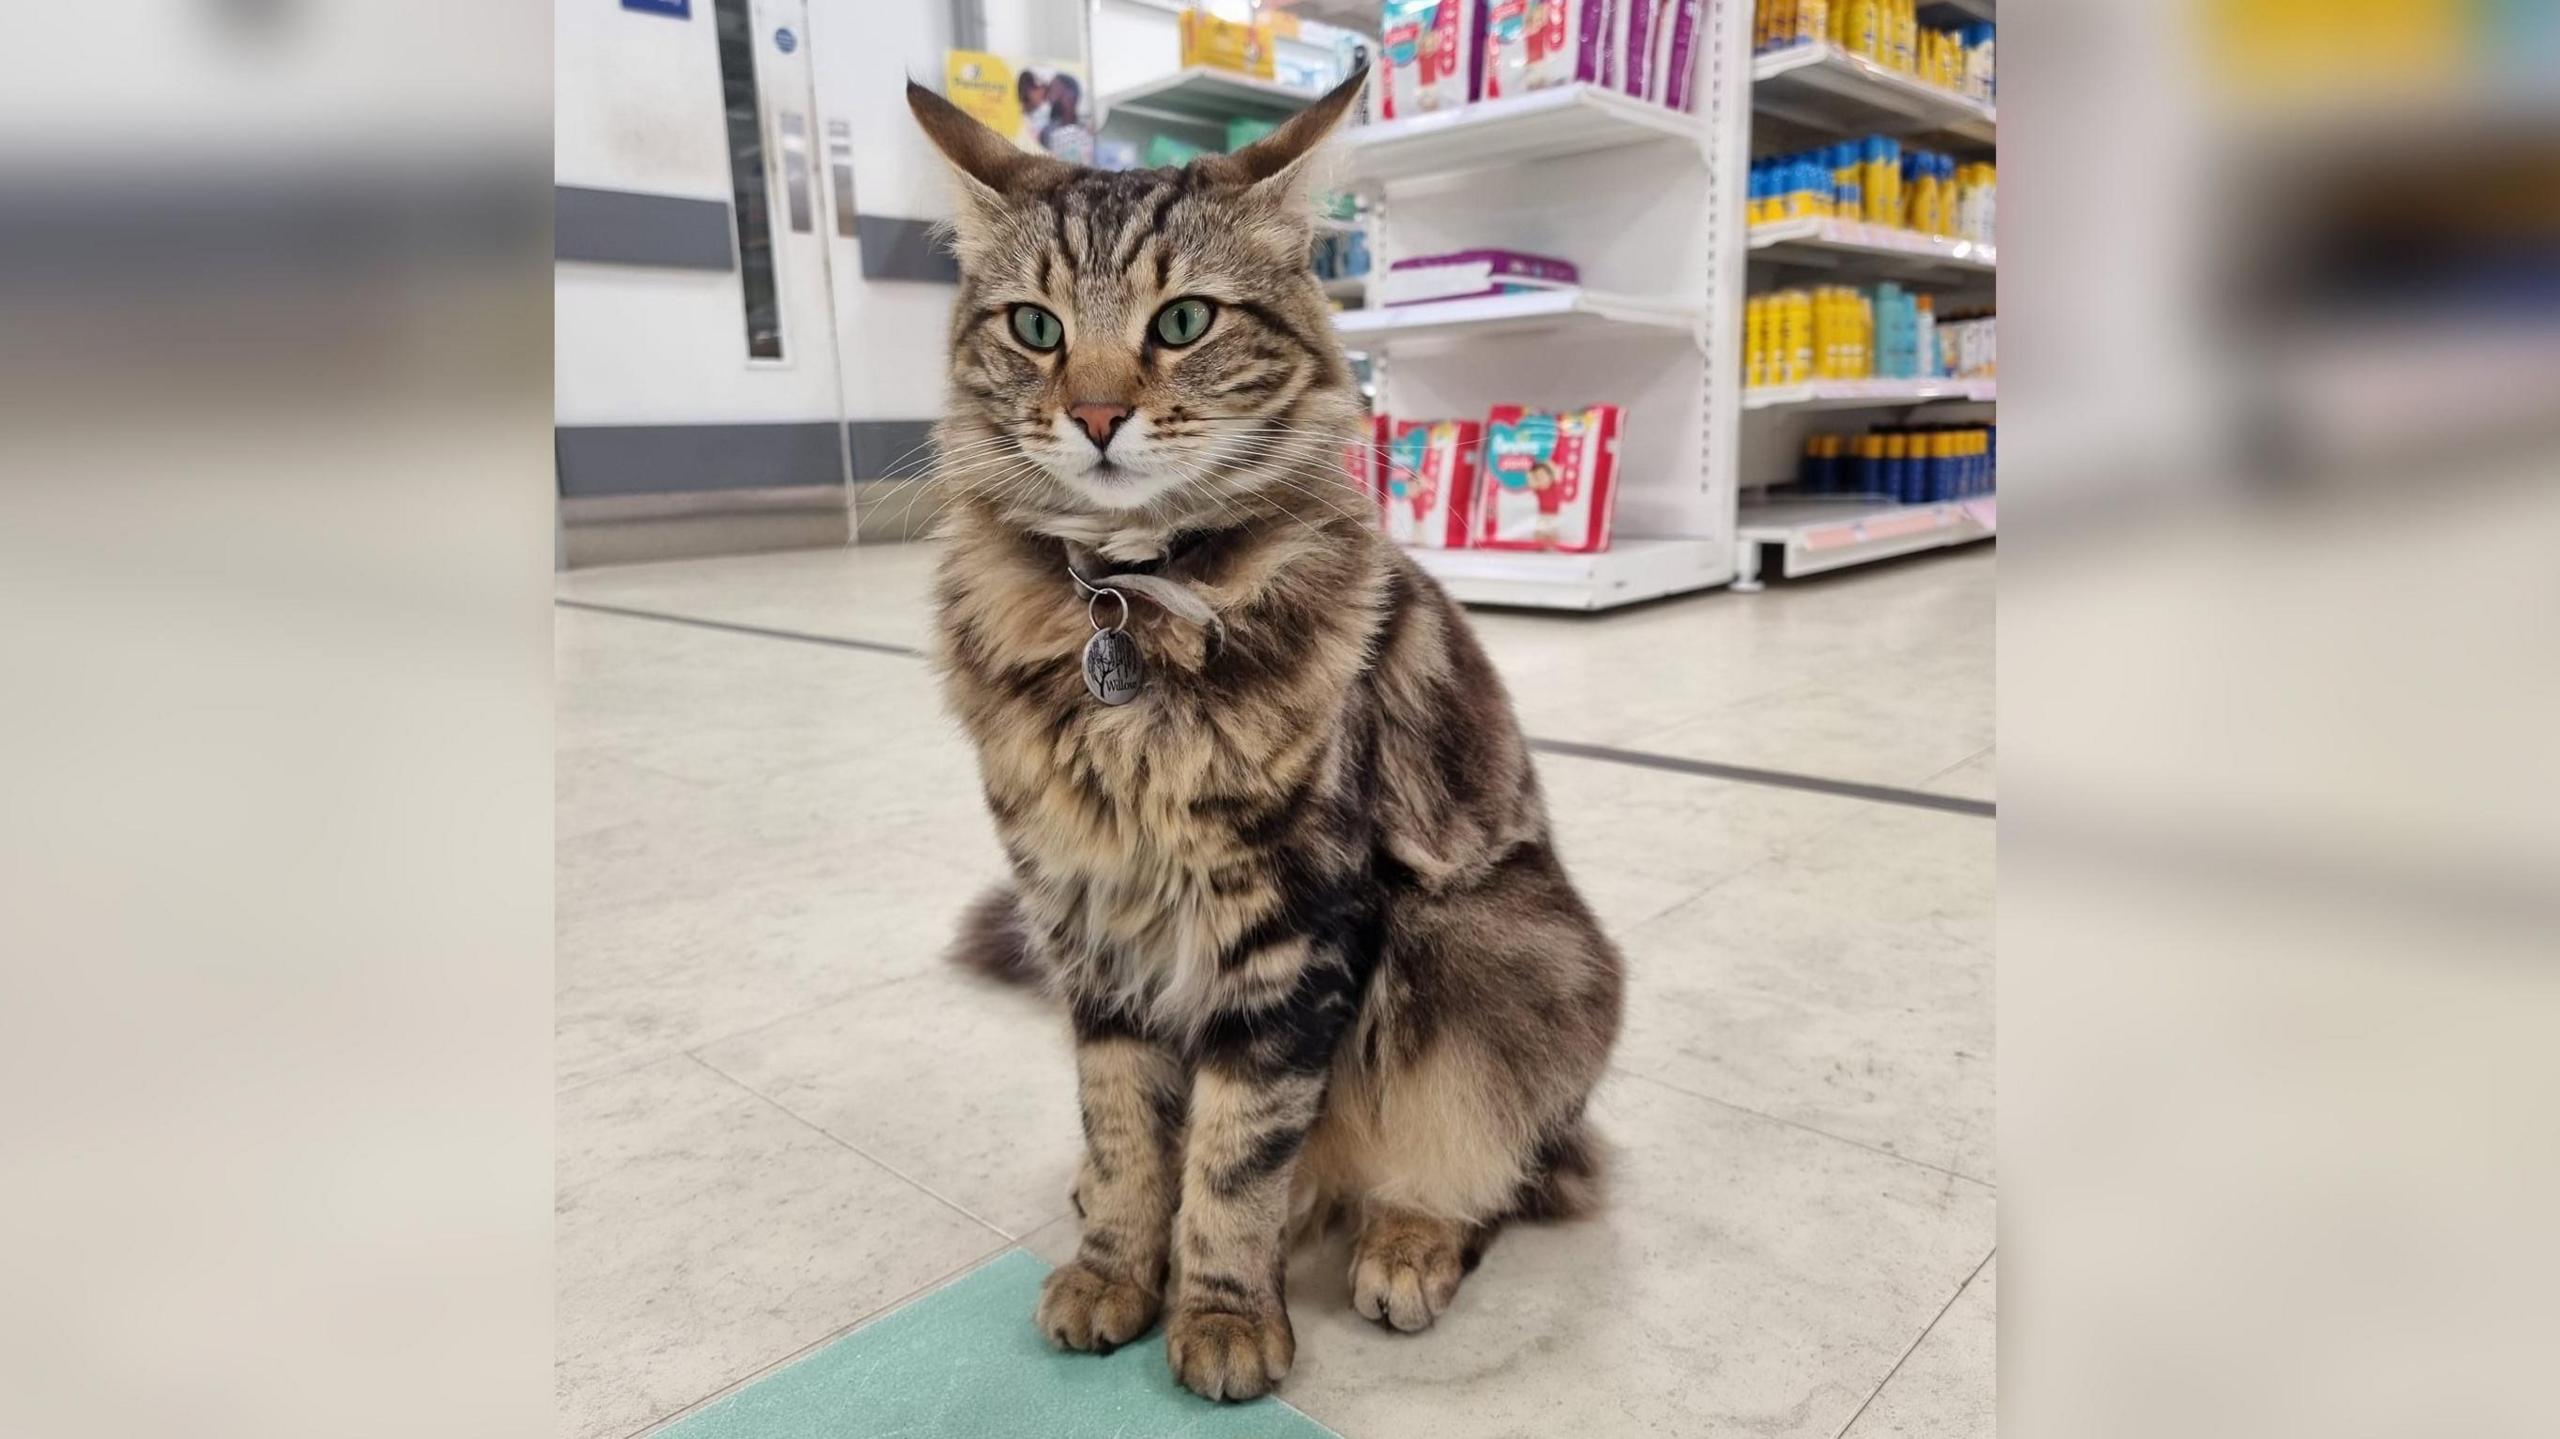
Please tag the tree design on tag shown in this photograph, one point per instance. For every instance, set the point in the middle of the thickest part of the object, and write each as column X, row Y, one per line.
column 1113, row 669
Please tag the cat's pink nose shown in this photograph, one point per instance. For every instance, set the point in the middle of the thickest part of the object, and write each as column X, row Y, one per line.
column 1100, row 422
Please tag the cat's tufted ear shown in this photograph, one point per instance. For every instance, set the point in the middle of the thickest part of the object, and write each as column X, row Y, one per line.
column 989, row 165
column 1280, row 163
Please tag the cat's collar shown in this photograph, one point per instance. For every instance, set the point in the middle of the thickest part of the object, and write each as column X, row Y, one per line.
column 1115, row 669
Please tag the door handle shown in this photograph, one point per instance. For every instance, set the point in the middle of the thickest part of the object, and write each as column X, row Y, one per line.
column 840, row 167
column 795, row 169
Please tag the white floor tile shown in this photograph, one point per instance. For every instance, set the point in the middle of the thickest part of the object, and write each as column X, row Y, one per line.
column 1976, row 778
column 1871, row 733
column 873, row 592
column 1846, row 987
column 1746, row 1277
column 702, row 1234
column 964, row 1085
column 763, row 845
column 1641, row 841
column 1945, row 1390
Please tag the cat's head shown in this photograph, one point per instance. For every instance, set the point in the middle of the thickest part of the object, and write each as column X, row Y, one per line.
column 1142, row 344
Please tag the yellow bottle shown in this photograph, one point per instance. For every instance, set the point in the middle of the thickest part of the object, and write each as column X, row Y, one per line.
column 1830, row 334
column 1799, row 337
column 1783, row 336
column 1757, row 321
column 1864, row 28
column 1750, row 340
column 1920, row 207
column 1882, row 190
column 1813, row 20
column 1821, row 330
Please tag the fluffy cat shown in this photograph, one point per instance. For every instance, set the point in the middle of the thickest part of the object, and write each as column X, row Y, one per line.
column 1298, row 895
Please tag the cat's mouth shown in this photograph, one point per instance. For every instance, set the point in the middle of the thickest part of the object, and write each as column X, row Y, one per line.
column 1117, row 485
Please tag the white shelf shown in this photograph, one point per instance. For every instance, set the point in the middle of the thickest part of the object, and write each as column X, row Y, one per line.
column 1353, row 288
column 1335, row 225
column 1826, row 87
column 1541, row 125
column 1389, row 327
column 1830, row 534
column 1201, row 95
column 1868, row 394
column 1888, row 247
column 1628, row 571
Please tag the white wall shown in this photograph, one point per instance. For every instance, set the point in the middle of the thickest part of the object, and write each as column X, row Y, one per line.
column 637, row 101
column 639, row 108
column 1133, row 41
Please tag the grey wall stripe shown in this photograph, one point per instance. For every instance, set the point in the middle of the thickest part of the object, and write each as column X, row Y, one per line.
column 618, row 460
column 890, row 449
column 599, row 460
column 898, row 249
column 625, row 227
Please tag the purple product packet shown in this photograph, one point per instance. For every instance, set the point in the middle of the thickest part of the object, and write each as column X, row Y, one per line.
column 1505, row 263
column 1684, row 34
column 1480, row 26
column 1639, row 32
column 1592, row 44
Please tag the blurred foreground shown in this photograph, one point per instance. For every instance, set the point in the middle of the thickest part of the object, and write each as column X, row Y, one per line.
column 2280, row 644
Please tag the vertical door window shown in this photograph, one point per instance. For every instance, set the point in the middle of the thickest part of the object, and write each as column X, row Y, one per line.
column 747, row 184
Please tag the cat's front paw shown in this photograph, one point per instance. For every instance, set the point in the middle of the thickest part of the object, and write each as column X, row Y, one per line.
column 1405, row 1270
column 1227, row 1354
column 1083, row 1308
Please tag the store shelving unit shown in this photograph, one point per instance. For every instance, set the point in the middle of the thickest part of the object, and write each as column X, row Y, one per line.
column 1873, row 249
column 1389, row 328
column 1201, row 95
column 1648, row 203
column 1542, row 125
column 1624, row 189
column 1628, row 571
column 1815, row 93
column 1869, row 394
column 1824, row 87
column 1816, row 534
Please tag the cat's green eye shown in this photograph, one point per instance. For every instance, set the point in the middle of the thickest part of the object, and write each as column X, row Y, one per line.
column 1183, row 321
column 1037, row 328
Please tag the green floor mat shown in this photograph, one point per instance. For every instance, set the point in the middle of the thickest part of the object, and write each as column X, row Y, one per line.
column 964, row 1363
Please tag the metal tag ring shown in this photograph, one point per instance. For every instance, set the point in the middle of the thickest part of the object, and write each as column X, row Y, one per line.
column 1090, row 618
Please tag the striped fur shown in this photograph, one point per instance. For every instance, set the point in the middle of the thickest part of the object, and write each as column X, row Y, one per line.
column 1300, row 899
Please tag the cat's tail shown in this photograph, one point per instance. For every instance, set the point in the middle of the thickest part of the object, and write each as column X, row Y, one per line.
column 1566, row 1180
column 992, row 941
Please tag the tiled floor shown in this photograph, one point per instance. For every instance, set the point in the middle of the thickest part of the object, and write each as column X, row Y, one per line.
column 780, row 1116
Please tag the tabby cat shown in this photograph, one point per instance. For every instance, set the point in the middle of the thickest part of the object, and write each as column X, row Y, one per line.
column 1298, row 894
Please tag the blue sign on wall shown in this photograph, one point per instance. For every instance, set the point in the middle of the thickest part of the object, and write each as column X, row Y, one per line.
column 785, row 41
column 681, row 9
